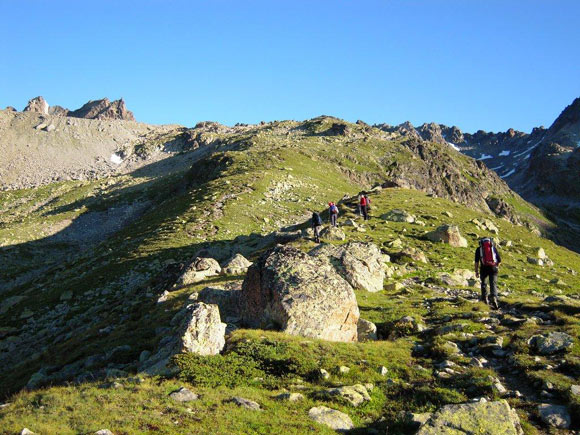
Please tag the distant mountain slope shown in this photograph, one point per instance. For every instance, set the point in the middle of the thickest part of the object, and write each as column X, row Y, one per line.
column 542, row 166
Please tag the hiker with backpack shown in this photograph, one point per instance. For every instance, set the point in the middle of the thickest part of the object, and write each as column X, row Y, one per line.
column 333, row 211
column 364, row 206
column 316, row 224
column 487, row 261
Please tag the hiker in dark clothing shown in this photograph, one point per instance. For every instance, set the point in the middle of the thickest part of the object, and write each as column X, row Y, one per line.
column 333, row 211
column 364, row 206
column 487, row 261
column 316, row 224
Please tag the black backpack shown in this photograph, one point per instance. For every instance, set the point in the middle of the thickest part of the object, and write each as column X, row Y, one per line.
column 316, row 219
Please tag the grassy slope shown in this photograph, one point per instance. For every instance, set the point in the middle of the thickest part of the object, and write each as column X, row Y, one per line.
column 316, row 170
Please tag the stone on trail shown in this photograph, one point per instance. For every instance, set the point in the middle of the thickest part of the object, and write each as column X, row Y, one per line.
column 482, row 418
column 554, row 415
column 332, row 418
column 237, row 265
column 104, row 432
column 448, row 234
column 299, row 294
column 198, row 270
column 26, row 431
column 551, row 343
column 183, row 395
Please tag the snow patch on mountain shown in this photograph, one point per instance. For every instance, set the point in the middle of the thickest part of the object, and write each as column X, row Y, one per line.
column 485, row 156
column 511, row 172
column 504, row 153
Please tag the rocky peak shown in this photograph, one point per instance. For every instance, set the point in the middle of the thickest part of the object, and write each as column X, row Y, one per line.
column 570, row 115
column 432, row 133
column 104, row 109
column 37, row 105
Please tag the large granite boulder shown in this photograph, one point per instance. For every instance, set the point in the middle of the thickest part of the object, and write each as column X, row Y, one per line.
column 361, row 264
column 198, row 270
column 299, row 294
column 203, row 332
column 482, row 418
column 448, row 234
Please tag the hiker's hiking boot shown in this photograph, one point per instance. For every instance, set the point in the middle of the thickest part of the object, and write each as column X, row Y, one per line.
column 494, row 303
column 485, row 299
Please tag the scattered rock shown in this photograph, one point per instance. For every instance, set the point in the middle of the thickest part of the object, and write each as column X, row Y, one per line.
column 163, row 298
column 575, row 390
column 448, row 234
column 183, row 395
column 323, row 374
column 397, row 215
column 198, row 270
column 245, row 403
column 104, row 432
column 383, row 371
column 290, row 397
column 299, row 294
column 554, row 415
column 489, row 418
column 409, row 254
column 367, row 331
column 237, row 265
column 332, row 418
column 550, row 343
column 355, row 394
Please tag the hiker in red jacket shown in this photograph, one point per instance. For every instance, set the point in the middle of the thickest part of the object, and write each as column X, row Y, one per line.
column 364, row 206
column 487, row 261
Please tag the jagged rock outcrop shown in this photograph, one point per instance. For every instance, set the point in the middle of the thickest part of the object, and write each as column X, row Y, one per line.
column 37, row 105
column 103, row 109
column 299, row 294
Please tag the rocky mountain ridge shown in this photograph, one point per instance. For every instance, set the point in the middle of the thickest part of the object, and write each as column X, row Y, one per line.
column 95, row 109
column 534, row 164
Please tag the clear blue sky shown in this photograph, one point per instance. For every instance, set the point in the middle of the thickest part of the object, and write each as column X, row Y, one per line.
column 483, row 64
